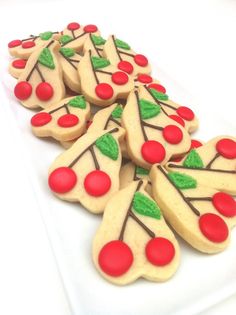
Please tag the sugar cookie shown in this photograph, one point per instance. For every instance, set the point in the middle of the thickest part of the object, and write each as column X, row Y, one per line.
column 95, row 44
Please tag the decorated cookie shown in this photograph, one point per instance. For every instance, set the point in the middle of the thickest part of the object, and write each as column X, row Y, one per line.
column 120, row 54
column 16, row 67
column 201, row 215
column 152, row 137
column 95, row 44
column 69, row 60
column 23, row 48
column 133, row 240
column 88, row 172
column 64, row 121
column 129, row 172
column 102, row 83
column 213, row 164
column 145, row 79
column 75, row 35
column 41, row 84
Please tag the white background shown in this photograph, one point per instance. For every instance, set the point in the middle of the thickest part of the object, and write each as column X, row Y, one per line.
column 192, row 41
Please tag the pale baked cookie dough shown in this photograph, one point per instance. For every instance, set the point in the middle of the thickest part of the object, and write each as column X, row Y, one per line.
column 134, row 240
column 41, row 84
column 212, row 164
column 102, row 83
column 120, row 54
column 151, row 136
column 95, row 44
column 88, row 172
column 201, row 215
column 16, row 67
column 63, row 121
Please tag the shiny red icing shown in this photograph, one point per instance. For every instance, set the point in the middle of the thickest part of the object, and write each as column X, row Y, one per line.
column 90, row 28
column 195, row 144
column 225, row 204
column 185, row 112
column 97, row 183
column 115, row 258
column 41, row 119
column 141, row 60
column 44, row 91
column 23, row 90
column 68, row 120
column 104, row 91
column 226, row 148
column 62, row 180
column 73, row 26
column 213, row 227
column 160, row 251
column 125, row 66
column 28, row 44
column 144, row 78
column 14, row 43
column 119, row 78
column 19, row 63
column 178, row 119
column 172, row 134
column 153, row 152
column 157, row 87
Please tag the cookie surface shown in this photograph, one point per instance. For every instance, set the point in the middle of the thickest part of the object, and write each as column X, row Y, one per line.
column 95, row 44
column 133, row 240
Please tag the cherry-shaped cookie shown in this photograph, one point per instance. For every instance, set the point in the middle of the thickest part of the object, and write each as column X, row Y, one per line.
column 134, row 240
column 16, row 67
column 69, row 60
column 101, row 82
column 94, row 43
column 88, row 172
column 212, row 164
column 23, row 48
column 120, row 54
column 41, row 84
column 63, row 121
column 157, row 137
column 75, row 35
column 202, row 216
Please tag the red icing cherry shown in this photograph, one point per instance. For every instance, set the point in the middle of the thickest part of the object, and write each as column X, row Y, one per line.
column 28, row 44
column 172, row 134
column 213, row 227
column 185, row 112
column 88, row 124
column 119, row 78
column 41, row 119
column 73, row 26
column 225, row 204
column 44, row 91
column 178, row 119
column 19, row 63
column 90, row 28
column 125, row 66
column 227, row 148
column 62, row 180
column 141, row 60
column 157, row 87
column 97, row 183
column 160, row 251
column 144, row 78
column 14, row 43
column 104, row 91
column 23, row 90
column 68, row 120
column 195, row 144
column 153, row 151
column 115, row 258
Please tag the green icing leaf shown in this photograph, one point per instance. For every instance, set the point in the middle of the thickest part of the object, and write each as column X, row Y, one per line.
column 158, row 95
column 78, row 102
column 145, row 206
column 64, row 39
column 193, row 159
column 45, row 35
column 99, row 62
column 67, row 52
column 182, row 181
column 141, row 171
column 148, row 109
column 46, row 59
column 117, row 112
column 108, row 146
column 98, row 40
column 121, row 44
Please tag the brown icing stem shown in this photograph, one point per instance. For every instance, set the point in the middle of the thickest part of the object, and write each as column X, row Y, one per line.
column 199, row 198
column 208, row 166
column 94, row 72
column 60, row 107
column 140, row 119
column 152, row 126
column 94, row 46
column 172, row 165
column 117, row 51
column 73, row 39
column 69, row 61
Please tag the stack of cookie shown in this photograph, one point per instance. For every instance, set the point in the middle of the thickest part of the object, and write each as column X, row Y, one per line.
column 129, row 152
